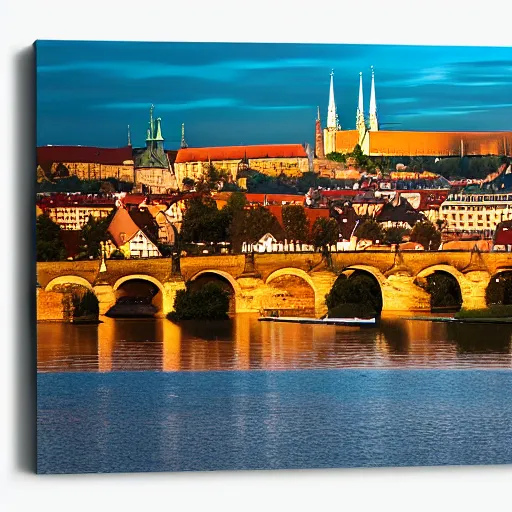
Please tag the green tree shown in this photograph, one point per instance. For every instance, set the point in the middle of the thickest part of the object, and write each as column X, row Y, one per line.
column 93, row 233
column 324, row 233
column 203, row 222
column 395, row 235
column 369, row 229
column 499, row 290
column 295, row 222
column 444, row 291
column 188, row 182
column 251, row 224
column 359, row 289
column 427, row 235
column 49, row 245
column 336, row 157
column 210, row 302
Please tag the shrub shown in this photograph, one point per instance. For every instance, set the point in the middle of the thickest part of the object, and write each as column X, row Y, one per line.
column 85, row 304
column 496, row 311
column 210, row 302
column 117, row 255
column 359, row 289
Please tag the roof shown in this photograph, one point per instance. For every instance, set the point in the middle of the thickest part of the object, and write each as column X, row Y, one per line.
column 403, row 212
column 275, row 198
column 83, row 154
column 467, row 245
column 399, row 143
column 122, row 224
column 503, row 234
column 240, row 152
column 76, row 200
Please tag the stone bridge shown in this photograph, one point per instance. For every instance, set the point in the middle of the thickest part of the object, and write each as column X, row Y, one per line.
column 277, row 280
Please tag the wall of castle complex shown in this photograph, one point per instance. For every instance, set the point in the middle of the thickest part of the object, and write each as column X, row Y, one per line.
column 74, row 218
column 292, row 167
column 94, row 171
column 159, row 180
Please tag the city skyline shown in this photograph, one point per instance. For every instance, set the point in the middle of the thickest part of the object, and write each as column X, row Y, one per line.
column 237, row 94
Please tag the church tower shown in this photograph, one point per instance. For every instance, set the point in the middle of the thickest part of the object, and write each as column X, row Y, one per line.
column 360, row 122
column 374, row 122
column 319, row 139
column 333, row 124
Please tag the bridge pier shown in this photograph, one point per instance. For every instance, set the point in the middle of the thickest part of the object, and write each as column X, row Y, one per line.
column 170, row 289
column 106, row 297
column 472, row 287
column 400, row 293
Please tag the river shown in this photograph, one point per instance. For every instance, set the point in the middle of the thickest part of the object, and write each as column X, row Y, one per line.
column 148, row 395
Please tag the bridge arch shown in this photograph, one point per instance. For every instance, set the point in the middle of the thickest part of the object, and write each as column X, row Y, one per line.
column 159, row 298
column 68, row 279
column 460, row 292
column 237, row 290
column 303, row 291
column 374, row 272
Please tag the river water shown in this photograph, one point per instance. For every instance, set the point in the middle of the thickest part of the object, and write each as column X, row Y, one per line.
column 148, row 395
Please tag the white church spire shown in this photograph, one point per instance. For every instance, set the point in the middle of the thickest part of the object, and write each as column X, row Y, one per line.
column 360, row 124
column 332, row 116
column 374, row 122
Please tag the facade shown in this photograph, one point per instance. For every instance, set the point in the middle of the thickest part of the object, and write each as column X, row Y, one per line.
column 153, row 171
column 86, row 163
column 129, row 238
column 377, row 142
column 272, row 160
column 72, row 211
column 476, row 213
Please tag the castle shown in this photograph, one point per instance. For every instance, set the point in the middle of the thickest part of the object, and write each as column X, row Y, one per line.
column 377, row 142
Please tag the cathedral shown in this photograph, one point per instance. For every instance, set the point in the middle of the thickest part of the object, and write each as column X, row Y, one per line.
column 377, row 142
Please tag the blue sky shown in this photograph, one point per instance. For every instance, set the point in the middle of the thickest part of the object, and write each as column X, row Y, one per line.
column 230, row 94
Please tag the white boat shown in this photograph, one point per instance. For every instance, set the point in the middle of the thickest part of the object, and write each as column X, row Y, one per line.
column 366, row 322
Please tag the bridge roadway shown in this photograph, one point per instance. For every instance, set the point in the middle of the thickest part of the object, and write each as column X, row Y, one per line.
column 251, row 277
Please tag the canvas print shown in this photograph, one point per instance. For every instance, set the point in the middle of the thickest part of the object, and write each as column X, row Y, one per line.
column 272, row 256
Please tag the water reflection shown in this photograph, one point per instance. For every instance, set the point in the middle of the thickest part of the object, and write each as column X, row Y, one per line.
column 243, row 343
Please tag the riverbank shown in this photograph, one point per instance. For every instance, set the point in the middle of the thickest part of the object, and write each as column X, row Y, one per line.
column 467, row 320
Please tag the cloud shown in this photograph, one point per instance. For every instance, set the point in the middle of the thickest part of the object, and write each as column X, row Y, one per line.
column 166, row 107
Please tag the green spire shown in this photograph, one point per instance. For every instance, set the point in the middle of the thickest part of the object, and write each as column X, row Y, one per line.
column 158, row 136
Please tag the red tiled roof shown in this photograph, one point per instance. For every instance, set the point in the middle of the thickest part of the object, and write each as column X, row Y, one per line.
column 122, row 223
column 83, row 154
column 239, row 152
column 275, row 198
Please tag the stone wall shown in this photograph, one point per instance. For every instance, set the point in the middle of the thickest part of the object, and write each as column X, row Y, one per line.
column 51, row 306
column 95, row 171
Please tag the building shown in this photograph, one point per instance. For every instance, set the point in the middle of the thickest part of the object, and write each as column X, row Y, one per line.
column 399, row 213
column 475, row 212
column 153, row 171
column 86, row 163
column 272, row 160
column 377, row 142
column 72, row 211
column 129, row 238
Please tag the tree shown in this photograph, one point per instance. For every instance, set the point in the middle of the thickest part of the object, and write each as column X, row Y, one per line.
column 444, row 291
column 93, row 233
column 360, row 289
column 369, row 229
column 499, row 290
column 49, row 245
column 295, row 222
column 426, row 234
column 395, row 235
column 336, row 157
column 251, row 224
column 202, row 221
column 325, row 233
column 210, row 302
column 188, row 182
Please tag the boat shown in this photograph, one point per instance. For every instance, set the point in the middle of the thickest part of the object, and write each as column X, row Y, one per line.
column 359, row 322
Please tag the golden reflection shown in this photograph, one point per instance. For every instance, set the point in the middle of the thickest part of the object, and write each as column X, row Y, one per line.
column 171, row 347
column 106, row 341
column 243, row 343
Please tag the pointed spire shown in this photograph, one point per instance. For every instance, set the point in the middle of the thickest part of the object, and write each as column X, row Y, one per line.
column 360, row 124
column 183, row 144
column 151, row 124
column 332, row 117
column 158, row 135
column 374, row 122
column 318, row 114
column 129, row 137
column 319, row 139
